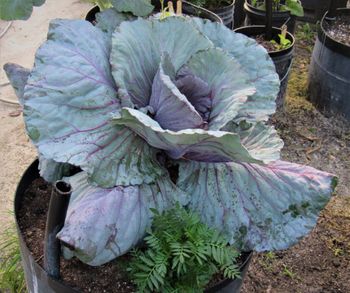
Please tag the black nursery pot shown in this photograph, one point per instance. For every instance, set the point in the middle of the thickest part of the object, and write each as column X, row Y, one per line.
column 282, row 59
column 187, row 8
column 190, row 9
column 38, row 281
column 226, row 13
column 315, row 9
column 329, row 74
column 257, row 16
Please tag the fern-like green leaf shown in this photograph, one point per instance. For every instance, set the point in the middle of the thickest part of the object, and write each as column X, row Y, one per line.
column 182, row 255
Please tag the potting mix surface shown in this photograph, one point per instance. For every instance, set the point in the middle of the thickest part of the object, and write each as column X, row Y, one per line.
column 268, row 45
column 339, row 29
column 319, row 263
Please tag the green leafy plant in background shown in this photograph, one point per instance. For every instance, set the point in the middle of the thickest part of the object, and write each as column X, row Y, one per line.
column 11, row 271
column 211, row 4
column 22, row 9
column 18, row 9
column 293, row 6
column 283, row 43
column 181, row 255
column 102, row 4
column 306, row 32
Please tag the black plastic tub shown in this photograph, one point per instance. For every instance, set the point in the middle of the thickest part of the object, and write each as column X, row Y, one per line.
column 257, row 16
column 329, row 74
column 188, row 9
column 226, row 13
column 38, row 281
column 315, row 9
column 282, row 59
column 191, row 9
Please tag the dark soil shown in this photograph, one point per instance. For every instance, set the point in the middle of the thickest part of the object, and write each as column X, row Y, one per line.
column 339, row 29
column 320, row 263
column 268, row 45
column 32, row 219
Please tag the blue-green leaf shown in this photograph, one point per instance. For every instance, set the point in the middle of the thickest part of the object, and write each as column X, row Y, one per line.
column 260, row 207
column 17, row 9
column 137, row 48
column 229, row 84
column 102, row 224
column 193, row 144
column 136, row 7
column 69, row 98
column 261, row 140
column 18, row 77
column 52, row 171
column 255, row 61
column 108, row 20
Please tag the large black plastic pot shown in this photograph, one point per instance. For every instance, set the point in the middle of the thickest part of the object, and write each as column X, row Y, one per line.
column 226, row 13
column 191, row 9
column 38, row 281
column 329, row 74
column 315, row 9
column 282, row 59
column 188, row 9
column 257, row 16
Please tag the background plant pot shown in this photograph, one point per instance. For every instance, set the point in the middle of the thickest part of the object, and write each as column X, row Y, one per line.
column 36, row 278
column 226, row 13
column 38, row 281
column 315, row 9
column 282, row 59
column 329, row 74
column 91, row 14
column 255, row 16
column 232, row 286
column 190, row 9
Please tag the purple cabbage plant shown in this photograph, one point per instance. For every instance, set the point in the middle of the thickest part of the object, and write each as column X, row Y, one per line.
column 159, row 112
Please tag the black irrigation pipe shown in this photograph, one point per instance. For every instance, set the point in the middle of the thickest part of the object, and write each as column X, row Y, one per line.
column 59, row 201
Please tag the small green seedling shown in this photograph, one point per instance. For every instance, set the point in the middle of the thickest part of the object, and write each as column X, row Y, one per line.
column 284, row 43
column 287, row 272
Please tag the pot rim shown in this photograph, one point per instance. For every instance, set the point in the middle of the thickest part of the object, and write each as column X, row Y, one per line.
column 226, row 7
column 206, row 11
column 250, row 8
column 328, row 40
column 274, row 29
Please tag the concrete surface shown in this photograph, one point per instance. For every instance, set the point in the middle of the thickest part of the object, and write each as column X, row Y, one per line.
column 18, row 45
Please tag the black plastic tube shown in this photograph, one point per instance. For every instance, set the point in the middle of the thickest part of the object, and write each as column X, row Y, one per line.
column 59, row 201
